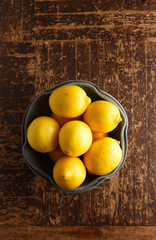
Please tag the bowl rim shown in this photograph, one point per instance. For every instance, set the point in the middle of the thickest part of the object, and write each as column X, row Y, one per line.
column 123, row 135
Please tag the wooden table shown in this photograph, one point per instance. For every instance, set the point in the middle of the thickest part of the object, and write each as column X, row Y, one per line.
column 111, row 43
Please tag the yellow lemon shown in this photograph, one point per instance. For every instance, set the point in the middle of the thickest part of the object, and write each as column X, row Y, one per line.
column 42, row 134
column 75, row 138
column 69, row 172
column 56, row 154
column 98, row 135
column 62, row 120
column 103, row 157
column 69, row 101
column 102, row 116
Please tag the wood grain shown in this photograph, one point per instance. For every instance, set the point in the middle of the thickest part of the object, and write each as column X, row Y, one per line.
column 150, row 124
column 55, row 62
column 68, row 61
column 109, row 43
column 66, row 233
column 83, row 60
column 125, row 95
column 94, row 6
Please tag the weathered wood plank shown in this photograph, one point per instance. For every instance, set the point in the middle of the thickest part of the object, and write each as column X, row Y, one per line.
column 17, row 66
column 16, row 175
column 110, row 68
column 73, row 206
column 11, row 147
column 17, row 189
column 98, row 206
column 83, row 58
column 18, row 50
column 126, row 184
column 84, row 210
column 46, row 7
column 51, row 209
column 44, row 20
column 16, row 218
column 140, row 150
column 17, row 20
column 11, row 118
column 150, row 125
column 95, row 32
column 15, row 104
column 11, row 20
column 69, row 63
column 14, row 160
column 15, row 90
column 139, row 5
column 19, row 204
column 17, row 71
column 97, row 56
column 66, row 6
column 10, row 131
column 42, row 67
column 17, row 209
column 108, row 19
column 28, row 20
column 55, row 62
column 66, row 233
column 93, row 6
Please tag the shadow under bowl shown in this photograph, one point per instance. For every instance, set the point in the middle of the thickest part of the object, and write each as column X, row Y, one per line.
column 40, row 162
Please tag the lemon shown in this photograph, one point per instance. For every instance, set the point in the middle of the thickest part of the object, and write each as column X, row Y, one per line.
column 42, row 134
column 69, row 172
column 75, row 138
column 56, row 154
column 62, row 120
column 103, row 157
column 69, row 101
column 102, row 116
column 98, row 135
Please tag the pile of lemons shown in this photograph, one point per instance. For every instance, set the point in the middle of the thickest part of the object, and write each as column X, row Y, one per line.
column 77, row 127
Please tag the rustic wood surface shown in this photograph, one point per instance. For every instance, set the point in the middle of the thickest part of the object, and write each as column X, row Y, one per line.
column 111, row 43
column 79, row 232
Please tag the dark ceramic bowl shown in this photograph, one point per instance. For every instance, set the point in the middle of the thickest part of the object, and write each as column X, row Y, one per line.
column 40, row 162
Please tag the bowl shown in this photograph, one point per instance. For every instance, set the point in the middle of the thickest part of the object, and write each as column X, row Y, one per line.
column 40, row 162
